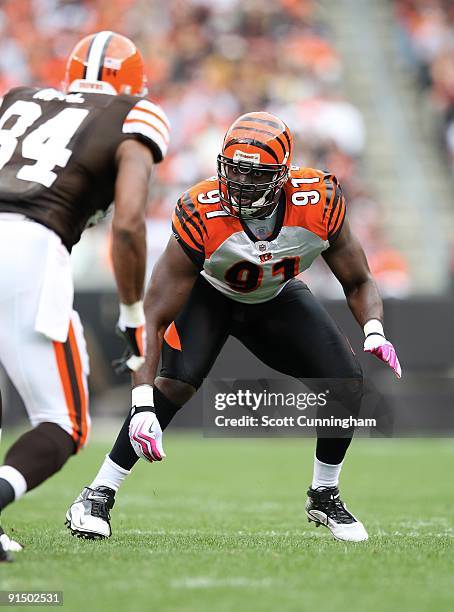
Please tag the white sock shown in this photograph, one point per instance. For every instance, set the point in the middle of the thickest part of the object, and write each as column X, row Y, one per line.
column 325, row 474
column 110, row 475
column 15, row 479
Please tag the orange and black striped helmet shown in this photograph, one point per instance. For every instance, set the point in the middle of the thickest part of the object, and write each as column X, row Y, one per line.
column 106, row 62
column 254, row 165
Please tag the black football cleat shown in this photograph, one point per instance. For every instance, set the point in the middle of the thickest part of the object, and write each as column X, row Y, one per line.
column 5, row 556
column 325, row 507
column 89, row 515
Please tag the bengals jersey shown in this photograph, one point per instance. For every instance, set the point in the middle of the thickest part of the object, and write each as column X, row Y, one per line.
column 57, row 153
column 309, row 217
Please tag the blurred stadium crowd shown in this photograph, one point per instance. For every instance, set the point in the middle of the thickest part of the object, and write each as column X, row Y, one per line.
column 426, row 29
column 209, row 61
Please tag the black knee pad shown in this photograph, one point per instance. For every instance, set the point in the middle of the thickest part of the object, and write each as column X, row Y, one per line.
column 175, row 390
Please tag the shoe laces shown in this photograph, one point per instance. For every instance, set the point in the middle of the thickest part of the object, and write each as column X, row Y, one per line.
column 329, row 499
column 101, row 503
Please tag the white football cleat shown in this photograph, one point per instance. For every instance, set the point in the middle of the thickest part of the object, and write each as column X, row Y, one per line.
column 7, row 544
column 325, row 507
column 89, row 515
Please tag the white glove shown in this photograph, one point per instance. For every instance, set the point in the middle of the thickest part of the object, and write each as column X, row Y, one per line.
column 145, row 433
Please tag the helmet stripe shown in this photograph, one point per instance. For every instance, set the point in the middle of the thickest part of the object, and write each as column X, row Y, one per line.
column 251, row 117
column 88, row 55
column 282, row 145
column 103, row 55
column 270, row 132
column 251, row 129
column 287, row 137
column 96, row 55
column 254, row 143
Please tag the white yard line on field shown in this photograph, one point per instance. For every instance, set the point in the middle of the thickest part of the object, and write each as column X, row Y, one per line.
column 401, row 532
column 207, row 582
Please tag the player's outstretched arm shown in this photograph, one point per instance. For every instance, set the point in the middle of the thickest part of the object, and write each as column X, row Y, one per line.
column 173, row 277
column 172, row 280
column 347, row 261
column 129, row 247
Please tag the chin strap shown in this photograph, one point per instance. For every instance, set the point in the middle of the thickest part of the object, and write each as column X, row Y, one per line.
column 256, row 209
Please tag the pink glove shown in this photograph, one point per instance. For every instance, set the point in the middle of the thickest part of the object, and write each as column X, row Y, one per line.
column 145, row 433
column 377, row 344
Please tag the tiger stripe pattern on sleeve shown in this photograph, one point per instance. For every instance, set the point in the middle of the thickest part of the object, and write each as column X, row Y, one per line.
column 189, row 229
column 334, row 209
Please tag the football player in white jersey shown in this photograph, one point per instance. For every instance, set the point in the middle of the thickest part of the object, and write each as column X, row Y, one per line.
column 64, row 157
column 239, row 240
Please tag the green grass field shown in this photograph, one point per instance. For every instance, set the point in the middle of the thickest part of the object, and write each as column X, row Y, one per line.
column 220, row 526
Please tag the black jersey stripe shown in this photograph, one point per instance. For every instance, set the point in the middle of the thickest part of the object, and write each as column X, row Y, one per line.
column 341, row 211
column 189, row 216
column 197, row 257
column 183, row 222
column 189, row 219
column 329, row 181
column 187, row 230
column 189, row 204
column 254, row 143
column 332, row 236
column 337, row 206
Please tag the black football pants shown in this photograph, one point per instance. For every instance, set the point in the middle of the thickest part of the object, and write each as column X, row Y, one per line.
column 292, row 333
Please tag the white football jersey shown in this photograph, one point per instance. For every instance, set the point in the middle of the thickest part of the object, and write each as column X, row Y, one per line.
column 309, row 217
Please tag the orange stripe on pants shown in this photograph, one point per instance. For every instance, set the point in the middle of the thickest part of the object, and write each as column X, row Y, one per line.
column 66, row 383
column 80, row 383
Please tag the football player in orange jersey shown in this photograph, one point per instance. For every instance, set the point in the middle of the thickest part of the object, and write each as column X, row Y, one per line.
column 239, row 240
column 65, row 156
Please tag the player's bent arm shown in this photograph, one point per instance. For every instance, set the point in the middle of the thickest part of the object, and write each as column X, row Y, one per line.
column 171, row 283
column 347, row 261
column 129, row 250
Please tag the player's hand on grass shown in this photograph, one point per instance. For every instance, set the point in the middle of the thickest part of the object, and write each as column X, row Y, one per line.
column 131, row 327
column 377, row 344
column 145, row 432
